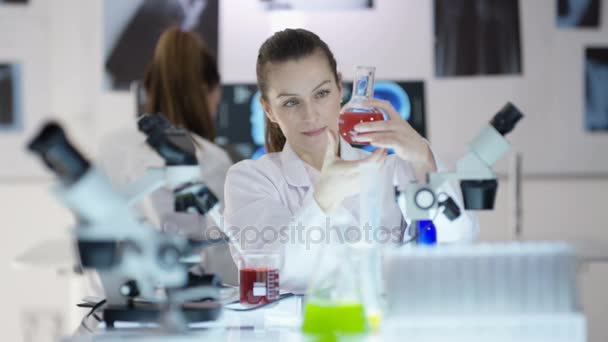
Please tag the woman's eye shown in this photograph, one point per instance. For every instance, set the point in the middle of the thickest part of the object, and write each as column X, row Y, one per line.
column 290, row 103
column 322, row 94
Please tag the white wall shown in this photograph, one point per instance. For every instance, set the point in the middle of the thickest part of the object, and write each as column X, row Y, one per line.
column 60, row 45
column 25, row 38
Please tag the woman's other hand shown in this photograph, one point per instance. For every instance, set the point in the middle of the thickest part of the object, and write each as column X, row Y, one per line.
column 340, row 178
column 397, row 134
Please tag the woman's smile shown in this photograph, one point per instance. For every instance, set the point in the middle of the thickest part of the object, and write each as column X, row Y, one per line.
column 314, row 132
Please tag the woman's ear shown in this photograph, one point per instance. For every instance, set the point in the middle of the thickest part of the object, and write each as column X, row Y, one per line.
column 266, row 108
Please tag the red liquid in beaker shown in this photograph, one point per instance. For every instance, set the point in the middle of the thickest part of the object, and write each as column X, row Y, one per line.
column 349, row 120
column 259, row 285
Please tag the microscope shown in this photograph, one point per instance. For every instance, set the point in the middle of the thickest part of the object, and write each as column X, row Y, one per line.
column 181, row 171
column 140, row 267
column 422, row 202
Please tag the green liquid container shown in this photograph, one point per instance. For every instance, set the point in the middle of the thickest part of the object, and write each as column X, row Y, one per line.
column 330, row 321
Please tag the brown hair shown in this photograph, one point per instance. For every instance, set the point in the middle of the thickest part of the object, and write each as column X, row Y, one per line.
column 283, row 46
column 177, row 81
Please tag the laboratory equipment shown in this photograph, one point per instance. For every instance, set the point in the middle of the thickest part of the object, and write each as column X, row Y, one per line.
column 426, row 232
column 181, row 171
column 333, row 321
column 258, row 277
column 133, row 260
column 353, row 112
column 499, row 292
column 423, row 202
column 335, row 298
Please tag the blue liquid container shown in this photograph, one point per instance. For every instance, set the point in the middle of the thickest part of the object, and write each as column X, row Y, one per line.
column 427, row 233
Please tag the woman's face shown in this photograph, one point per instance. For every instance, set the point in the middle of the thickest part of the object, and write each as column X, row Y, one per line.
column 304, row 100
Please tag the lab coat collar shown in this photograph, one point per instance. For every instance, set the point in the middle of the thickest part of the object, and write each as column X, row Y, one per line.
column 294, row 168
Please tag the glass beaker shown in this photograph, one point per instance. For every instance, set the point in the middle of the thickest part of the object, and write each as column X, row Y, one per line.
column 353, row 112
column 334, row 305
column 258, row 277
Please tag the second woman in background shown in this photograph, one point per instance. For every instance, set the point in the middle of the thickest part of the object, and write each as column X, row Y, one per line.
column 183, row 83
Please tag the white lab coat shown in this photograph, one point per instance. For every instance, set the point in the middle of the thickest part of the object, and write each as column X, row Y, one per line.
column 125, row 157
column 266, row 198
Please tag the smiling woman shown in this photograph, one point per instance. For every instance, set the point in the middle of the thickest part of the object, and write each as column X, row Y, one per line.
column 306, row 105
column 304, row 194
column 305, row 69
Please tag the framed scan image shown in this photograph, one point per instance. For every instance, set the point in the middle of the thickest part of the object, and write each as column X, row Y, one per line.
column 11, row 99
column 132, row 29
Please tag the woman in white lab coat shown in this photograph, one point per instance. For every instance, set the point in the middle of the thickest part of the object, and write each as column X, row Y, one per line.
column 289, row 199
column 182, row 82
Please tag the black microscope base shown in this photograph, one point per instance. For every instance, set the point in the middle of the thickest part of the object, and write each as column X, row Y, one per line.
column 151, row 313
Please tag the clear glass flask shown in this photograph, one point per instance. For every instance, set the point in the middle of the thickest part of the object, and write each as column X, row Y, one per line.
column 334, row 307
column 343, row 298
column 353, row 112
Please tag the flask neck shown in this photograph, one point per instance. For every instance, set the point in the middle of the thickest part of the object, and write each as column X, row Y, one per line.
column 363, row 84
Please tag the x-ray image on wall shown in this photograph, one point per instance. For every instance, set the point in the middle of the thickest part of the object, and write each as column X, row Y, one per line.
column 596, row 89
column 10, row 97
column 313, row 5
column 578, row 13
column 477, row 37
column 240, row 121
column 132, row 28
column 241, row 126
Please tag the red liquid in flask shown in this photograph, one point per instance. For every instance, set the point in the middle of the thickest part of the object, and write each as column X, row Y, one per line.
column 259, row 285
column 349, row 120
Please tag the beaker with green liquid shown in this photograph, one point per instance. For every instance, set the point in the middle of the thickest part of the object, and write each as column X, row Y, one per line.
column 332, row 321
column 335, row 302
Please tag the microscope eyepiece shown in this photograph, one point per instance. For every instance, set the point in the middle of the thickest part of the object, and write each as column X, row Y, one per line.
column 152, row 124
column 173, row 144
column 504, row 121
column 479, row 194
column 194, row 197
column 52, row 145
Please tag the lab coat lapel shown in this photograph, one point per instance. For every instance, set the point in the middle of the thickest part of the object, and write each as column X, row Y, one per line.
column 296, row 175
column 293, row 168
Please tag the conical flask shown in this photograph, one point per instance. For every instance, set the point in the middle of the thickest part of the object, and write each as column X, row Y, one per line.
column 353, row 112
column 334, row 306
